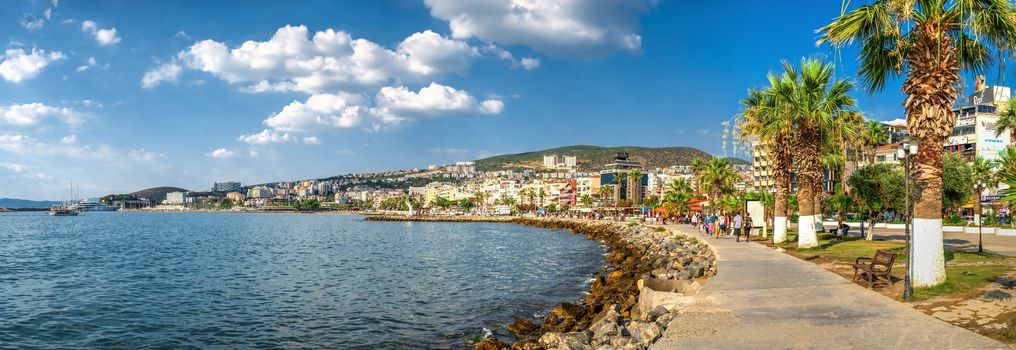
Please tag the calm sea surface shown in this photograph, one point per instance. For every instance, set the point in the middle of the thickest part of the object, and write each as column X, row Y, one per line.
column 215, row 280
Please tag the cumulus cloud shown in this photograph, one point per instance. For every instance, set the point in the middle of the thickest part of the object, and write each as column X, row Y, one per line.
column 329, row 60
column 576, row 28
column 31, row 114
column 142, row 156
column 395, row 104
column 341, row 110
column 527, row 62
column 896, row 122
column 17, row 65
column 104, row 36
column 23, row 144
column 311, row 140
column 69, row 139
column 221, row 153
column 157, row 75
column 90, row 64
column 266, row 136
column 530, row 63
column 32, row 23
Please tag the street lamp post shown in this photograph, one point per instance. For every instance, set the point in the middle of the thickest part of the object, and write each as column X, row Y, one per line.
column 979, row 187
column 906, row 149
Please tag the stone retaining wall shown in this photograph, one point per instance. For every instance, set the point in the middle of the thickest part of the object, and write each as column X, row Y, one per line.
column 651, row 274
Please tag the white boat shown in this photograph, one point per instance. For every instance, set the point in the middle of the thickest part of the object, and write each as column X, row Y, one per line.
column 62, row 210
column 87, row 205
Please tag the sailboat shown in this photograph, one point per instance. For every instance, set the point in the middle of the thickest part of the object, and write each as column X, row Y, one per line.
column 64, row 209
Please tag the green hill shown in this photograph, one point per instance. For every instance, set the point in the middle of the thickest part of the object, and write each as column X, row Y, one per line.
column 157, row 194
column 592, row 158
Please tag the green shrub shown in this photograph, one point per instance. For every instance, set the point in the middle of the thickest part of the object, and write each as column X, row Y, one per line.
column 660, row 229
column 955, row 220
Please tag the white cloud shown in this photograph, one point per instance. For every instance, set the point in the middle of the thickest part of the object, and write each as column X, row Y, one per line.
column 17, row 168
column 182, row 34
column 311, row 140
column 164, row 72
column 104, row 36
column 530, row 63
column 22, row 144
column 69, row 139
column 221, row 153
column 18, row 65
column 32, row 23
column 559, row 27
column 142, row 156
column 395, row 104
column 341, row 110
column 702, row 131
column 31, row 114
column 293, row 60
column 896, row 122
column 266, row 136
column 91, row 63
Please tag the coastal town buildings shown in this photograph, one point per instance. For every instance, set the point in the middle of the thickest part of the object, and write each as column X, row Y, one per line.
column 559, row 162
column 226, row 186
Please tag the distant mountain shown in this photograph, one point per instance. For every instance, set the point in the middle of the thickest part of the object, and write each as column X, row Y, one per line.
column 157, row 194
column 24, row 203
column 592, row 158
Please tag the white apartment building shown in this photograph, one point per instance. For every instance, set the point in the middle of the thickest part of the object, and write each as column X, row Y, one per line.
column 175, row 198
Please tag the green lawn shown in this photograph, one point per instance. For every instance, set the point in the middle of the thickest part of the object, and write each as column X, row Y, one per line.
column 960, row 280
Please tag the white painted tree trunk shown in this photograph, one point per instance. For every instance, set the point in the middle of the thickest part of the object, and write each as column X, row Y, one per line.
column 806, row 237
column 929, row 258
column 819, row 226
column 780, row 229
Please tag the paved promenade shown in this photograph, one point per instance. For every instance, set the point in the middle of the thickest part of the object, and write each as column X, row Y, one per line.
column 762, row 299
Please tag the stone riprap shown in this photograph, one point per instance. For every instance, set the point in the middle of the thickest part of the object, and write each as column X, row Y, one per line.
column 651, row 275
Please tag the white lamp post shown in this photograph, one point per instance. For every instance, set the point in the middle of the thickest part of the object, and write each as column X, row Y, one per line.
column 906, row 149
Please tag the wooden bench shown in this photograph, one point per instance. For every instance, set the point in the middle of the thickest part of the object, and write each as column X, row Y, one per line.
column 875, row 269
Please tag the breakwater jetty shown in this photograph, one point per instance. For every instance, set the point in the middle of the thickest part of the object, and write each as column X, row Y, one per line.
column 650, row 275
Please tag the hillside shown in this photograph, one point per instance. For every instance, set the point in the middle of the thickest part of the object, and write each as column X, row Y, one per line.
column 157, row 193
column 592, row 158
column 24, row 203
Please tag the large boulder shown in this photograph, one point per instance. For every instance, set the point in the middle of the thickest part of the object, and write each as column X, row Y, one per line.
column 605, row 325
column 520, row 327
column 491, row 343
column 566, row 341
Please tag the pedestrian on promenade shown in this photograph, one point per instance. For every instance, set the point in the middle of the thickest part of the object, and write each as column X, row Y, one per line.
column 737, row 226
column 747, row 227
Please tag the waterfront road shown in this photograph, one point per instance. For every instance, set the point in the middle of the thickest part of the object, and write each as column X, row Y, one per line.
column 763, row 299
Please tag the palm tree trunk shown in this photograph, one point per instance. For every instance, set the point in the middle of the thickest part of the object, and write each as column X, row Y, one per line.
column 806, row 237
column 819, row 195
column 931, row 90
column 928, row 252
column 780, row 208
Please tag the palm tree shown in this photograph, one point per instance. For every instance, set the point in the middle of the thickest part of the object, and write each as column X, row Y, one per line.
column 718, row 179
column 697, row 165
column 586, row 200
column 813, row 98
column 930, row 41
column 872, row 136
column 606, row 190
column 619, row 183
column 1007, row 120
column 843, row 131
column 635, row 186
column 675, row 200
column 543, row 196
column 767, row 121
column 480, row 198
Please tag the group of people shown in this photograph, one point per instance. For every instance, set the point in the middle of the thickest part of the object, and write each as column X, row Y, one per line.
column 715, row 224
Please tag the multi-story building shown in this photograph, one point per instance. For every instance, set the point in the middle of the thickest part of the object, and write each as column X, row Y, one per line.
column 559, row 162
column 974, row 132
column 175, row 198
column 630, row 191
column 227, row 186
column 762, row 175
column 236, row 197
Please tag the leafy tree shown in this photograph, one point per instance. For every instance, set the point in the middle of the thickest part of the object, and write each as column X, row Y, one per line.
column 586, row 200
column 466, row 204
column 877, row 188
column 957, row 181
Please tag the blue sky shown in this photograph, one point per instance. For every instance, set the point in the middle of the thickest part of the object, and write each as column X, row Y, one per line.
column 122, row 95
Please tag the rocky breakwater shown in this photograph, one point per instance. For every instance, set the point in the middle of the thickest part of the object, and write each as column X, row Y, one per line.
column 651, row 275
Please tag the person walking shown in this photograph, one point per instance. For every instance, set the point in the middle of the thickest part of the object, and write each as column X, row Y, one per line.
column 738, row 221
column 747, row 227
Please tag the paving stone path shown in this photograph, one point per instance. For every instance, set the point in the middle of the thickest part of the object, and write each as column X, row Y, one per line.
column 763, row 299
